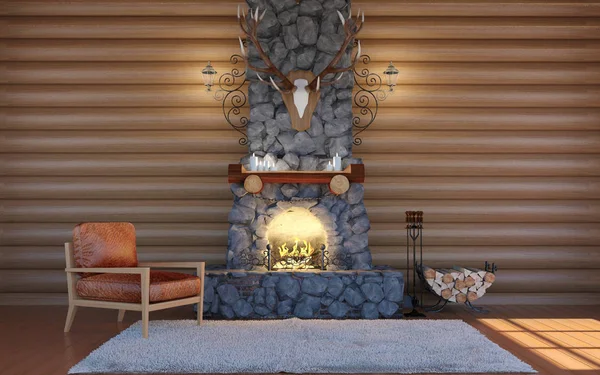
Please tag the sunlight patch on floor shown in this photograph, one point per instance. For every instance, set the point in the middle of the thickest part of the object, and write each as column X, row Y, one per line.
column 570, row 344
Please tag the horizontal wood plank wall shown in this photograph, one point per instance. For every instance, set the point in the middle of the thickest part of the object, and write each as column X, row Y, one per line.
column 494, row 131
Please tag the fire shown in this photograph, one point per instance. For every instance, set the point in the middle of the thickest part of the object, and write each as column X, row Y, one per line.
column 297, row 250
column 296, row 236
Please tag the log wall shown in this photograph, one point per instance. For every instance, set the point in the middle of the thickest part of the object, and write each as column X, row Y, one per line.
column 494, row 132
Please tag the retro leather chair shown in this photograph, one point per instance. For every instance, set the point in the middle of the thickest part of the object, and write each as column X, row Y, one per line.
column 103, row 271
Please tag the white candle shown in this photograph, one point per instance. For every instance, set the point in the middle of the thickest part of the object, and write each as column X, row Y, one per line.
column 260, row 166
column 330, row 167
column 253, row 162
column 337, row 162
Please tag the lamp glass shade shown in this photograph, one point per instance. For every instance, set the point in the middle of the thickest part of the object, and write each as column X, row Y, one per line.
column 391, row 75
column 208, row 75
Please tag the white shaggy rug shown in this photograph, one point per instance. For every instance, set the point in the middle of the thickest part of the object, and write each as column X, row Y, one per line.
column 301, row 346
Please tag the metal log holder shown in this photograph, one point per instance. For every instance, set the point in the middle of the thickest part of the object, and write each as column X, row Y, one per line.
column 414, row 239
column 249, row 259
column 441, row 302
column 324, row 258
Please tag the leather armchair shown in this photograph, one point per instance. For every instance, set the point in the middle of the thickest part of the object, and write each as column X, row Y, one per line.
column 103, row 271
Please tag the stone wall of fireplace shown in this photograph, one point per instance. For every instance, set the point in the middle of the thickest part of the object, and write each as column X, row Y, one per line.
column 303, row 36
column 310, row 295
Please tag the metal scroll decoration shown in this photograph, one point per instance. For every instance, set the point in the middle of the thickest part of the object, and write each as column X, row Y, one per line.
column 341, row 262
column 367, row 98
column 249, row 259
column 233, row 98
column 370, row 92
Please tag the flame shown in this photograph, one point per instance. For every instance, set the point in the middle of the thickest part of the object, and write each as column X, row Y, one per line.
column 299, row 256
column 297, row 250
column 296, row 235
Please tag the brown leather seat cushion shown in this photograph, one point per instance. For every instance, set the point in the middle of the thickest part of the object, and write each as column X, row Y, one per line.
column 164, row 286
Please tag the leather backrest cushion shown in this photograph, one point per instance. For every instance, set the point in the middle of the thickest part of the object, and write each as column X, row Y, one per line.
column 104, row 245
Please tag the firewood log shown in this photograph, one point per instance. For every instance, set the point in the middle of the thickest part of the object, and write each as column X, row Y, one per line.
column 446, row 293
column 465, row 271
column 428, row 272
column 472, row 296
column 469, row 281
column 489, row 277
column 478, row 272
column 461, row 298
column 449, row 275
column 459, row 284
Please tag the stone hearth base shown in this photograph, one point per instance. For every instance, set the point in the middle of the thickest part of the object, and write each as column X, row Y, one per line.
column 240, row 294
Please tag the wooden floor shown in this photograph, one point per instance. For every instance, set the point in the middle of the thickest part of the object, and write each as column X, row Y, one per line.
column 554, row 340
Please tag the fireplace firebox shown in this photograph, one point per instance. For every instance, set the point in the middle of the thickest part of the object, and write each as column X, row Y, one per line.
column 296, row 240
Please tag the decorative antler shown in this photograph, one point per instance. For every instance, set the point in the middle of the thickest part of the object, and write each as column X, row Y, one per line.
column 249, row 26
column 351, row 28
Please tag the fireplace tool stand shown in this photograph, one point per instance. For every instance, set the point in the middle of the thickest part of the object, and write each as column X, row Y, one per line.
column 414, row 236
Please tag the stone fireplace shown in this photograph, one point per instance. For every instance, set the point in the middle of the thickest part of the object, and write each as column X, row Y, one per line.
column 319, row 263
column 300, row 36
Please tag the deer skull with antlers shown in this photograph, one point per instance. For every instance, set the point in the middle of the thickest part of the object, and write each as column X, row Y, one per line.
column 300, row 89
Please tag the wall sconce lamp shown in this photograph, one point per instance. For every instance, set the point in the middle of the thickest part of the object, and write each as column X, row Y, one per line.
column 391, row 76
column 208, row 76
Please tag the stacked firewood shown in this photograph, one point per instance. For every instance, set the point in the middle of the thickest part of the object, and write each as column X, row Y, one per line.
column 458, row 284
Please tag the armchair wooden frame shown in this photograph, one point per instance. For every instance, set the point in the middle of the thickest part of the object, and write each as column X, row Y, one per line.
column 145, row 306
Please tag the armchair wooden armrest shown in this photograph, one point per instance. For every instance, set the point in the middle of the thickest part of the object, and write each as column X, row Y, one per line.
column 133, row 270
column 171, row 264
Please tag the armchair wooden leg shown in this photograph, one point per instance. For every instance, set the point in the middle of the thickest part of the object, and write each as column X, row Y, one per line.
column 121, row 316
column 70, row 317
column 145, row 321
column 145, row 279
column 200, row 306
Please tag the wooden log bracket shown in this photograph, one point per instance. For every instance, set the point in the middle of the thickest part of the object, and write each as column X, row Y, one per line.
column 338, row 181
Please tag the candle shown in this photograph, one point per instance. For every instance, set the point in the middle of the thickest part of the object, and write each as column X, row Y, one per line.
column 330, row 166
column 337, row 162
column 253, row 162
column 260, row 166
